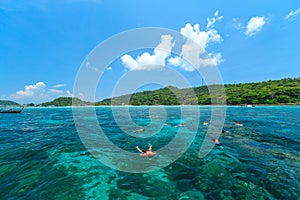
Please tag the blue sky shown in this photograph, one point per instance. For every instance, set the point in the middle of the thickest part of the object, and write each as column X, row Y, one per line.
column 43, row 43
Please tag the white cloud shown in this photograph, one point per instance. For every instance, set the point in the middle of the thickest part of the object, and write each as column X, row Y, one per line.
column 109, row 68
column 194, row 50
column 180, row 62
column 194, row 33
column 211, row 21
column 39, row 92
column 255, row 25
column 31, row 90
column 201, row 38
column 150, row 62
column 59, row 86
column 208, row 60
column 293, row 14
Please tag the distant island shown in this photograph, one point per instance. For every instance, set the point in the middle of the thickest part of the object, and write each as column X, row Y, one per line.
column 6, row 103
column 66, row 101
column 272, row 92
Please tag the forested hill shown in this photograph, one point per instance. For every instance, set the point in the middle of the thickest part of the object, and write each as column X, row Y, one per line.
column 270, row 92
column 4, row 103
column 282, row 91
column 66, row 101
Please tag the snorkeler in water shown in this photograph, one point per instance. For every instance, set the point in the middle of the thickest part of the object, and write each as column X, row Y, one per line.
column 146, row 153
column 140, row 130
column 179, row 125
column 216, row 141
column 238, row 124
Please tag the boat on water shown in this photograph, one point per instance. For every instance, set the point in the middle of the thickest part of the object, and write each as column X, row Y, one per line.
column 11, row 110
column 248, row 105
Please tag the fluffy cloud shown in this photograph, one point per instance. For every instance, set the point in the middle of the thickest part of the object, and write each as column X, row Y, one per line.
column 39, row 92
column 293, row 14
column 31, row 90
column 147, row 61
column 255, row 25
column 182, row 63
column 201, row 38
column 204, row 61
column 194, row 50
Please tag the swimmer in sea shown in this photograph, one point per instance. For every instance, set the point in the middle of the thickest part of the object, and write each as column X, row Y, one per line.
column 146, row 153
column 216, row 141
column 205, row 123
column 238, row 124
column 140, row 130
column 179, row 125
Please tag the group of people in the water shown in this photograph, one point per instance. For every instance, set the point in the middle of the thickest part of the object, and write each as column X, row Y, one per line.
column 149, row 153
column 205, row 123
column 217, row 142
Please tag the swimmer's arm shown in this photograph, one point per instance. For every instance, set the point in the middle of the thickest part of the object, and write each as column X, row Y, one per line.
column 137, row 147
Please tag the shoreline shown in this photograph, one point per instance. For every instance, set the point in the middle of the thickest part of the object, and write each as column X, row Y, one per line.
column 252, row 106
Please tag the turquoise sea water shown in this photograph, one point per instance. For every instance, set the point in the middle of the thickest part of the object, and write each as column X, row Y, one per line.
column 42, row 157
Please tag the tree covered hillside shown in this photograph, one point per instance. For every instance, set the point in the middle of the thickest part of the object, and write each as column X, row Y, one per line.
column 66, row 101
column 4, row 103
column 268, row 92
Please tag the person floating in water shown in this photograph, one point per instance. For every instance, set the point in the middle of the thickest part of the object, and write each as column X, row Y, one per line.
column 146, row 153
column 238, row 124
column 140, row 130
column 179, row 125
column 216, row 141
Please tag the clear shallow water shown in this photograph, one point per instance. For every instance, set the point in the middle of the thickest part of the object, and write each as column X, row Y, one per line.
column 42, row 157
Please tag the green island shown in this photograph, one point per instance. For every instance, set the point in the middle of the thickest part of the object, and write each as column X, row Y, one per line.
column 66, row 101
column 284, row 91
column 6, row 103
column 273, row 92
